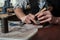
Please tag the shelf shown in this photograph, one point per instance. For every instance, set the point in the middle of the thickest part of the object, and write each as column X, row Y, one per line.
column 8, row 10
column 6, row 15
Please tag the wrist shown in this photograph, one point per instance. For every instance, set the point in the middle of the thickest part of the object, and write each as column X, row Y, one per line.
column 23, row 18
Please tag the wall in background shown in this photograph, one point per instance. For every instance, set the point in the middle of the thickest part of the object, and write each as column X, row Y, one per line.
column 1, row 3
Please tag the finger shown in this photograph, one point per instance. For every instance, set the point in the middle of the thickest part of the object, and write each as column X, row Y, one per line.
column 47, row 20
column 44, row 17
column 32, row 16
column 32, row 19
column 47, row 13
column 41, row 14
column 27, row 20
column 37, row 14
column 41, row 11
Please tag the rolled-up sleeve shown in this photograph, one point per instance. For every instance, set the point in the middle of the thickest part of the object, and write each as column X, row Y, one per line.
column 17, row 3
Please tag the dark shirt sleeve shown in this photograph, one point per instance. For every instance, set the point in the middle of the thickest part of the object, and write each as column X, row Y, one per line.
column 56, row 7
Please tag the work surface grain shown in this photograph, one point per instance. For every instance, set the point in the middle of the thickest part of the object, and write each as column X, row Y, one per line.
column 51, row 33
column 19, row 32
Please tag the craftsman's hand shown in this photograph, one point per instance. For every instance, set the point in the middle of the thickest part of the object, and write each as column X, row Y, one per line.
column 44, row 16
column 30, row 17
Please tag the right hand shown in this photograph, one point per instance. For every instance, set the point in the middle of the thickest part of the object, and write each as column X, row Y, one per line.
column 29, row 18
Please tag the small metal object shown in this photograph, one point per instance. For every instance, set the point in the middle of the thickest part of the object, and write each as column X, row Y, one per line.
column 37, row 21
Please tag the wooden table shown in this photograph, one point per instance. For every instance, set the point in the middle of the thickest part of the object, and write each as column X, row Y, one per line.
column 52, row 33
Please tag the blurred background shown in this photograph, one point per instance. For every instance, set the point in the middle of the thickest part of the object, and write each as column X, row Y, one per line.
column 6, row 6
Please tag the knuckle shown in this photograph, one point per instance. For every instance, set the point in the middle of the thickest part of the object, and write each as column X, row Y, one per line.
column 49, row 19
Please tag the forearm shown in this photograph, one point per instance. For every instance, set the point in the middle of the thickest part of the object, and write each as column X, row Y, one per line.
column 19, row 13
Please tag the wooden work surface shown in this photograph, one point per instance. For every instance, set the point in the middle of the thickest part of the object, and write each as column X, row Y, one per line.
column 18, row 32
column 6, row 15
column 52, row 33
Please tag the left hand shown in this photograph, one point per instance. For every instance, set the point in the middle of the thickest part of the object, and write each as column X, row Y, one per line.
column 44, row 16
